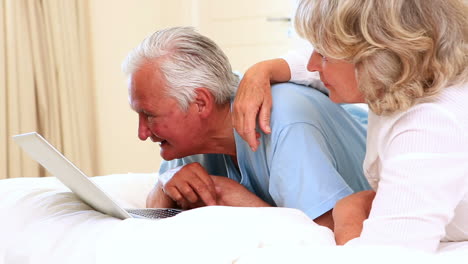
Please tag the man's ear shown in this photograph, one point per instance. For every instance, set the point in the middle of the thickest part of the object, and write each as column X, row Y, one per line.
column 204, row 101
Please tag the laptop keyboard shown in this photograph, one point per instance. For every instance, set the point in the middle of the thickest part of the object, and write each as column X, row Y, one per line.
column 154, row 213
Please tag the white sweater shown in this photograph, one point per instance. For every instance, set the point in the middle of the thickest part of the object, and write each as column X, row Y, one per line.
column 417, row 161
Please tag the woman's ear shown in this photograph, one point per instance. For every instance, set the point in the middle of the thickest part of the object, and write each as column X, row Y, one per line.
column 204, row 101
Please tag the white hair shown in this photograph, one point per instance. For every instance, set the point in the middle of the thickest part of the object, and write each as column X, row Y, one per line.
column 190, row 61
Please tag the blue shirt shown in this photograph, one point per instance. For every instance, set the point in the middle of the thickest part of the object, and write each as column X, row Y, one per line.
column 312, row 158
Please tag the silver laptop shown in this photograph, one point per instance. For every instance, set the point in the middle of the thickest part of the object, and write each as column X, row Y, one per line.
column 59, row 166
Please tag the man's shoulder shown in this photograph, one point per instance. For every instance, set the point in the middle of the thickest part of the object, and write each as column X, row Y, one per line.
column 294, row 103
column 289, row 89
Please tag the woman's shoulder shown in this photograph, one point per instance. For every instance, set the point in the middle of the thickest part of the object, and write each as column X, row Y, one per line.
column 454, row 99
column 449, row 104
column 443, row 114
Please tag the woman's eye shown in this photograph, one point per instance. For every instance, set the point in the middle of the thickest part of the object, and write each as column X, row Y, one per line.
column 324, row 58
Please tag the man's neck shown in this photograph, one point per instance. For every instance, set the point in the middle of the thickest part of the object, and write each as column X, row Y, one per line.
column 220, row 134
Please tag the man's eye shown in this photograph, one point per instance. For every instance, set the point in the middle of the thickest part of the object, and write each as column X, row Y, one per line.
column 150, row 118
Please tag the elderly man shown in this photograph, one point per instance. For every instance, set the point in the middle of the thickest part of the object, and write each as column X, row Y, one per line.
column 181, row 85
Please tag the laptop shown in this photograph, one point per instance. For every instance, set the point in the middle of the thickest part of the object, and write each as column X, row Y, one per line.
column 53, row 161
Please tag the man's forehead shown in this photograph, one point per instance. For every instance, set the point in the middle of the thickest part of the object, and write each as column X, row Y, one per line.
column 138, row 95
column 147, row 88
column 150, row 102
column 143, row 82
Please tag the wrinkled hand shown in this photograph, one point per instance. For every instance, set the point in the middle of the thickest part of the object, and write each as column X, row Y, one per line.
column 349, row 214
column 191, row 187
column 158, row 199
column 232, row 193
column 253, row 97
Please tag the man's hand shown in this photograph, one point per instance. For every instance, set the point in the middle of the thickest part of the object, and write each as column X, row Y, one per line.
column 191, row 187
column 232, row 193
column 349, row 214
column 158, row 199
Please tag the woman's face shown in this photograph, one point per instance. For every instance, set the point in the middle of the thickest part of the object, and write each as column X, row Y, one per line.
column 338, row 76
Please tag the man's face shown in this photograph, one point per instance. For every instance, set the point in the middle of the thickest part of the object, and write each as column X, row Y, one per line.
column 160, row 117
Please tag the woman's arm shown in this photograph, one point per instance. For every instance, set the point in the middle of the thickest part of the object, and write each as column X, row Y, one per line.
column 349, row 214
column 422, row 179
column 254, row 98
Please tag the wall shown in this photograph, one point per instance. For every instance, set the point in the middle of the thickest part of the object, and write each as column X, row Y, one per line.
column 117, row 27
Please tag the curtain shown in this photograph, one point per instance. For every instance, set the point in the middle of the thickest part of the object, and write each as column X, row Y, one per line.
column 46, row 82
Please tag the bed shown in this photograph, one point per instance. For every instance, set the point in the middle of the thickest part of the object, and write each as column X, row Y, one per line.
column 43, row 222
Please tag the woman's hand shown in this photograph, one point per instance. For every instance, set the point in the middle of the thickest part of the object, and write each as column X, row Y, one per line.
column 254, row 98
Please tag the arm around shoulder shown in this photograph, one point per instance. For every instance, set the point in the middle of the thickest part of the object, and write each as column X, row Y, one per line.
column 254, row 97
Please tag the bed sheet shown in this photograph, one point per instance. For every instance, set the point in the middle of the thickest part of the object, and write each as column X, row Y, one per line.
column 41, row 221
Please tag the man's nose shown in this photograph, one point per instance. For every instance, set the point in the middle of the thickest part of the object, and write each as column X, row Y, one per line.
column 143, row 129
column 315, row 62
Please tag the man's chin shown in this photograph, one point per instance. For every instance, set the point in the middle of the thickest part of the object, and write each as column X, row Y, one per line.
column 168, row 156
column 169, row 152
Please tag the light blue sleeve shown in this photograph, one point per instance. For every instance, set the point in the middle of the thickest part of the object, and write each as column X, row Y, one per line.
column 303, row 171
column 213, row 163
column 168, row 165
column 357, row 112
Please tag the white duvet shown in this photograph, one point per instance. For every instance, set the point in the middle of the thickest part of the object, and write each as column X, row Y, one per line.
column 41, row 221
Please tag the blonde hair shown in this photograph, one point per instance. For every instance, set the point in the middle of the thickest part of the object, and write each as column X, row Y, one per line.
column 403, row 50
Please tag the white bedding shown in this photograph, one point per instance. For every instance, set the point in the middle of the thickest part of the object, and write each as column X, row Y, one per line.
column 42, row 222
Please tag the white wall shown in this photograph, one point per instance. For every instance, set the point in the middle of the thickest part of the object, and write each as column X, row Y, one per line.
column 117, row 26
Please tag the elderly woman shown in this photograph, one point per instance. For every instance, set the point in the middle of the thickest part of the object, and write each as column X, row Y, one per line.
column 408, row 60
